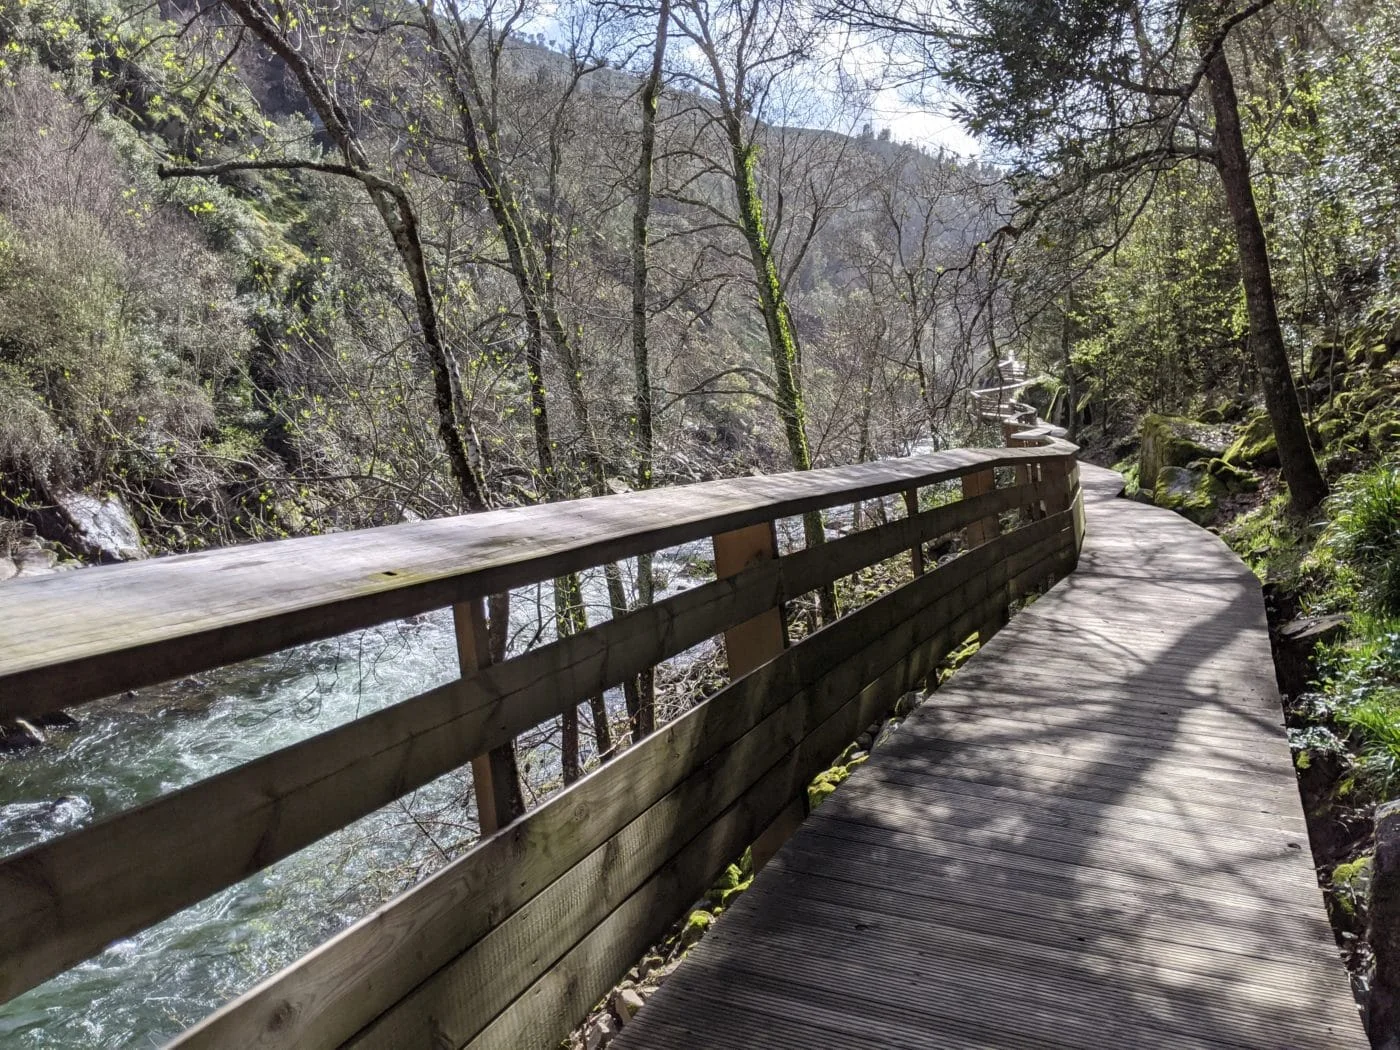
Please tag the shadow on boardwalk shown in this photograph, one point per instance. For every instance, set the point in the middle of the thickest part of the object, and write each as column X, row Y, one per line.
column 1091, row 836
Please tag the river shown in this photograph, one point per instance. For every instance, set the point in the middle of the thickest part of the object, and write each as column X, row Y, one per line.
column 142, row 990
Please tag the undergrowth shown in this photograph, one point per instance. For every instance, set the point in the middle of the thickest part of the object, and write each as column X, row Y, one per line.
column 1354, row 567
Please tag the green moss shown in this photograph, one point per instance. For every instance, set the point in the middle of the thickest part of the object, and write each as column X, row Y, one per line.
column 1233, row 478
column 1272, row 543
column 1171, row 441
column 824, row 783
column 697, row 924
column 1382, row 429
column 1254, row 444
column 1351, row 886
column 1194, row 494
column 733, row 881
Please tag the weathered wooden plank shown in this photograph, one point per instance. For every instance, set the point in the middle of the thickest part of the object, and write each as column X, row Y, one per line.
column 319, row 992
column 916, row 552
column 460, row 999
column 755, row 641
column 74, row 637
column 1235, row 925
column 975, row 484
column 492, row 771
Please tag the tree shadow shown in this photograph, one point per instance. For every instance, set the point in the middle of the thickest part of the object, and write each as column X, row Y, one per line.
column 1090, row 836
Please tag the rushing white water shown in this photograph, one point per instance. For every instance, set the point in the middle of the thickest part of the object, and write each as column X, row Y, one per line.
column 146, row 988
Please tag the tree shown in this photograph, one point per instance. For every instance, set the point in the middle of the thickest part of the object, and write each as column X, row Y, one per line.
column 747, row 60
column 400, row 218
column 1103, row 96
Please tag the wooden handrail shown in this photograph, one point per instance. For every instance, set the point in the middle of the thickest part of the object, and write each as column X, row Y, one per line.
column 70, row 637
column 674, row 807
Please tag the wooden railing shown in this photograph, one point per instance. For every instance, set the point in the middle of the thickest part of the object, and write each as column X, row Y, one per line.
column 509, row 945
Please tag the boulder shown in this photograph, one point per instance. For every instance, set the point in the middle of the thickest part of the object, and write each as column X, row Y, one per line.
column 1170, row 441
column 1382, row 428
column 625, row 1004
column 32, row 558
column 99, row 527
column 19, row 734
column 1194, row 494
column 1254, row 444
column 1235, row 479
column 599, row 1032
column 695, row 928
column 1323, row 360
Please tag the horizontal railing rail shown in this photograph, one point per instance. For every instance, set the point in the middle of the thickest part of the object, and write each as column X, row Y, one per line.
column 511, row 943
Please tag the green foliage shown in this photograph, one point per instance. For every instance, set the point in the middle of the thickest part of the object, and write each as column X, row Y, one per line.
column 1273, row 543
column 1365, row 535
column 1360, row 690
column 1351, row 885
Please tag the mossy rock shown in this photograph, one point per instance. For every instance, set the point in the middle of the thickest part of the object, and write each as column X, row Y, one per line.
column 1382, row 429
column 1194, row 494
column 1385, row 392
column 824, row 783
column 1254, row 444
column 1131, row 485
column 1324, row 358
column 732, row 882
column 1378, row 355
column 1332, row 430
column 1171, row 441
column 696, row 926
column 1235, row 479
column 1351, row 885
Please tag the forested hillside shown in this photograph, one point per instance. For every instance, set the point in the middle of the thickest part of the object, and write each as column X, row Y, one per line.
column 280, row 269
column 249, row 353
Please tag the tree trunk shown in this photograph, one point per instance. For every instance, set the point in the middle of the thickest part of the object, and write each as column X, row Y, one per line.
column 782, row 343
column 1306, row 487
column 643, row 712
column 401, row 222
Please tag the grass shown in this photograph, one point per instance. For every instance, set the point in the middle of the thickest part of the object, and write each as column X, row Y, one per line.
column 1350, row 563
column 1360, row 679
column 1364, row 534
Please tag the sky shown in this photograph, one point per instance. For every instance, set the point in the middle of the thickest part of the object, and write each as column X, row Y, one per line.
column 914, row 122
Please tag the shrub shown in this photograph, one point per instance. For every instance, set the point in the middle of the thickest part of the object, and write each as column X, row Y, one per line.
column 1365, row 534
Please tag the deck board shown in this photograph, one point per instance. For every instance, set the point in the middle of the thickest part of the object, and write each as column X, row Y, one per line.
column 1091, row 836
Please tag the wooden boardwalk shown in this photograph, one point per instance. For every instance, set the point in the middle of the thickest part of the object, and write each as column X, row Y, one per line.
column 1090, row 837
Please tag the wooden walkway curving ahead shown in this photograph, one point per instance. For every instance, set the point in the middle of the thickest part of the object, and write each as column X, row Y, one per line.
column 1090, row 837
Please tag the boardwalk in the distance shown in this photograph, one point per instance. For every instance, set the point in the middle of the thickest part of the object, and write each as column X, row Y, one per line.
column 1090, row 837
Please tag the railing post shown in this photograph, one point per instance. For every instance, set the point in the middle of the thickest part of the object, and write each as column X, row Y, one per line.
column 916, row 553
column 1028, row 472
column 494, row 774
column 1058, row 485
column 753, row 642
column 1075, row 495
column 985, row 529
